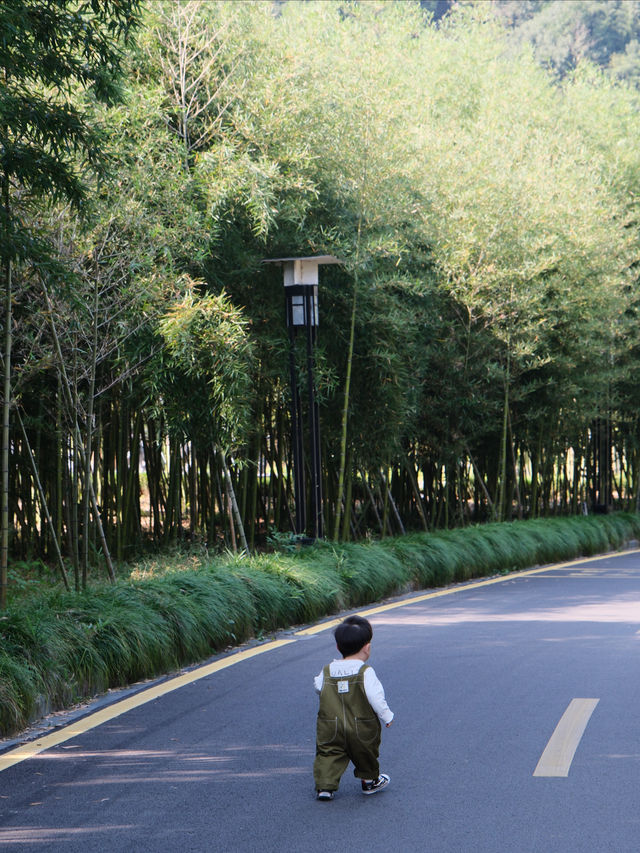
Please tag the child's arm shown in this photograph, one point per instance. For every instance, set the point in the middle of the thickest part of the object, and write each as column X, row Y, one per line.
column 375, row 694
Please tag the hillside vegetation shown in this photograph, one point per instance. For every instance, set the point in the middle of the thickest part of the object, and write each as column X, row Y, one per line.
column 478, row 349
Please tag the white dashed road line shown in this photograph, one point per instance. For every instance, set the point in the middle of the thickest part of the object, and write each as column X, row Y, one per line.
column 558, row 754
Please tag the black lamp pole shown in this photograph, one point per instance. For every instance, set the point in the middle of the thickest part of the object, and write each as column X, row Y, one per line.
column 300, row 521
column 301, row 306
column 317, row 523
column 301, row 310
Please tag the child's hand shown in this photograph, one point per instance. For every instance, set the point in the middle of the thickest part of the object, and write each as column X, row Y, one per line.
column 389, row 724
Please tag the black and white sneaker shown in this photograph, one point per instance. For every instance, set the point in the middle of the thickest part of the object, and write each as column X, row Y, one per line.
column 377, row 785
column 324, row 795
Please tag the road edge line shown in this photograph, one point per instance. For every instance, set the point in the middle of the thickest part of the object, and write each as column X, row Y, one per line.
column 460, row 587
column 34, row 747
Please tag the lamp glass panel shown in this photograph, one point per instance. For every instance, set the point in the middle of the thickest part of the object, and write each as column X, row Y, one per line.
column 297, row 310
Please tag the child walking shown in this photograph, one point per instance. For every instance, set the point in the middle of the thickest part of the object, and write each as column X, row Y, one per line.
column 352, row 707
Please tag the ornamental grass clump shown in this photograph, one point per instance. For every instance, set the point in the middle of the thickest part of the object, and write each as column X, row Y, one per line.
column 411, row 551
column 20, row 686
column 275, row 600
column 439, row 562
column 369, row 572
column 312, row 578
column 122, row 638
column 508, row 550
column 593, row 537
column 617, row 528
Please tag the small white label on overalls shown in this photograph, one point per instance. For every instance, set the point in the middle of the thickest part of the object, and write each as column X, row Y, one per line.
column 343, row 687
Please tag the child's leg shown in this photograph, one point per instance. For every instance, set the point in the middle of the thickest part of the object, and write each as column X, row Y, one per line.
column 364, row 750
column 331, row 762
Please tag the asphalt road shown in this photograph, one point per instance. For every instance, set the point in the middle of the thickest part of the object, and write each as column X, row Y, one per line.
column 479, row 680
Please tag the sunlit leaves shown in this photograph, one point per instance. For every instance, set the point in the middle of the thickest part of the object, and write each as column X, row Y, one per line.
column 206, row 391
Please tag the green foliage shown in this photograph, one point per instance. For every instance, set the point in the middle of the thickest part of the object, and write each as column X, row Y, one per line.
column 47, row 139
column 367, row 571
column 313, row 586
column 207, row 389
column 484, row 315
column 20, row 686
column 59, row 648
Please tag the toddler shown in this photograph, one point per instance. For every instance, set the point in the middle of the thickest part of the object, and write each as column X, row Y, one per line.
column 352, row 708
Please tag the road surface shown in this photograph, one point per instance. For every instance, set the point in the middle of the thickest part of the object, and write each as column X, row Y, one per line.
column 517, row 729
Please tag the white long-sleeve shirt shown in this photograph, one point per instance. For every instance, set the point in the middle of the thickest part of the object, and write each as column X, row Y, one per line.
column 373, row 689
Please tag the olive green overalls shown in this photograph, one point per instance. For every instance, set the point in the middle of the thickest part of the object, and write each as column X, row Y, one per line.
column 348, row 729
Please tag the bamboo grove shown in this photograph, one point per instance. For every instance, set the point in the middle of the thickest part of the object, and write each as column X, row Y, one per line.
column 478, row 350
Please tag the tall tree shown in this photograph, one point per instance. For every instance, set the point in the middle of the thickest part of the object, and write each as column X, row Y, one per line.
column 48, row 50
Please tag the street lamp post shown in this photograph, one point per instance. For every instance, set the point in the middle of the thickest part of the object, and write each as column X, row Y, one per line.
column 602, row 497
column 301, row 311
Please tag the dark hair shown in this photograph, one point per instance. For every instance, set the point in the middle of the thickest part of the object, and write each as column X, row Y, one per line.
column 352, row 635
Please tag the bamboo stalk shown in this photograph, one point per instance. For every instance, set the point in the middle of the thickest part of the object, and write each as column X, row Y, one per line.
column 393, row 504
column 6, row 409
column 414, row 485
column 234, row 511
column 347, row 501
column 479, row 477
column 66, row 389
column 43, row 502
column 372, row 501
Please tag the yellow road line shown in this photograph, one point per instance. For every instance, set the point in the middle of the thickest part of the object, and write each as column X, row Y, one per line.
column 29, row 750
column 558, row 754
column 462, row 587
